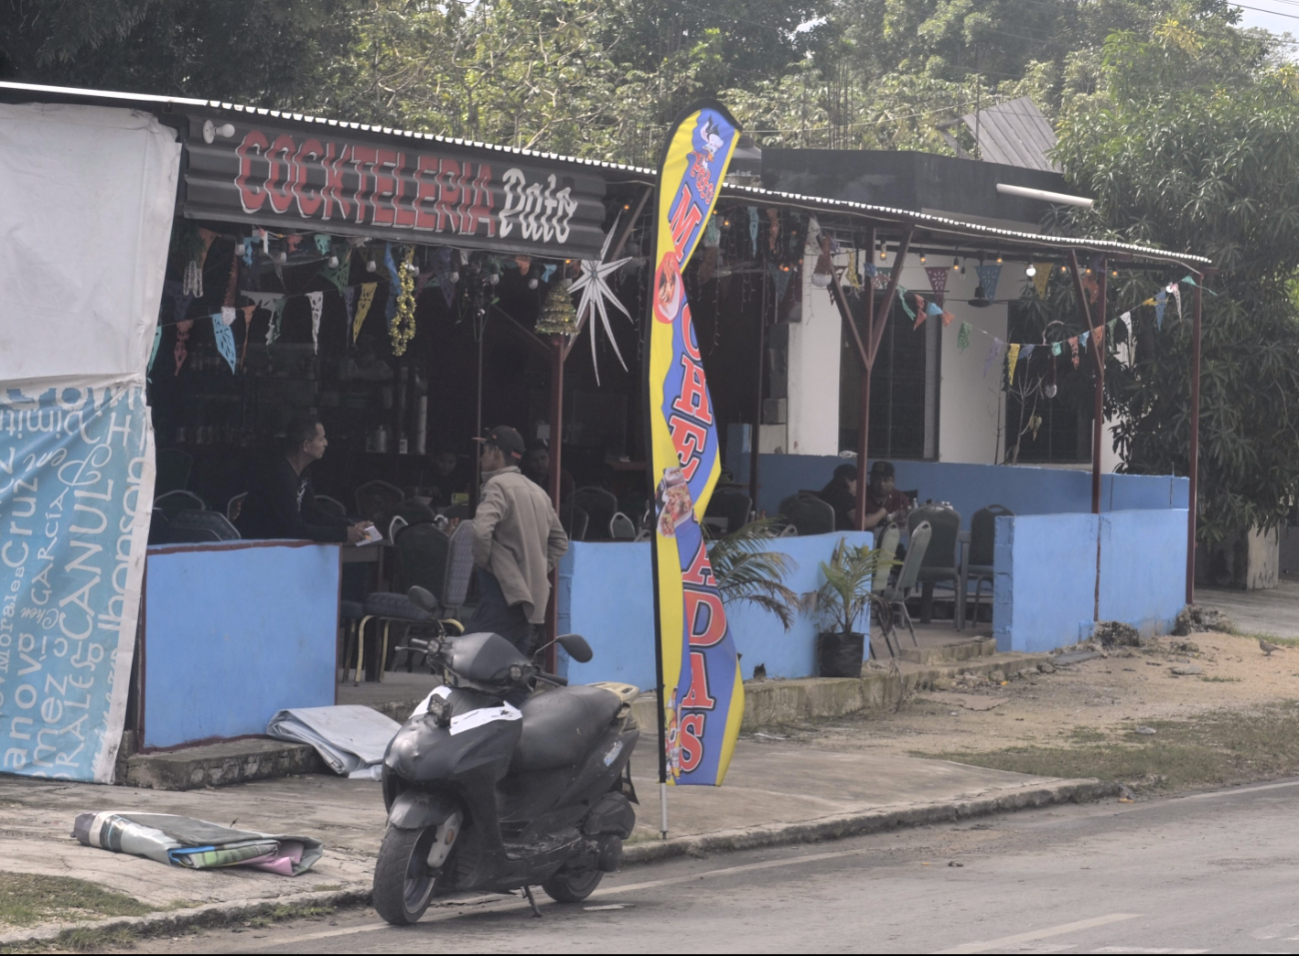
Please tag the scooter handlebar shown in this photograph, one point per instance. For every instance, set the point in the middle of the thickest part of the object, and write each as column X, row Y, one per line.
column 552, row 679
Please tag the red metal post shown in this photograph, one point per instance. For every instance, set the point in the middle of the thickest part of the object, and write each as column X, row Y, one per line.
column 757, row 399
column 864, row 400
column 1194, row 469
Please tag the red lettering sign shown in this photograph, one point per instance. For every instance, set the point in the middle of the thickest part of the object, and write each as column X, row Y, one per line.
column 693, row 400
column 385, row 187
column 362, row 159
column 308, row 199
column 479, row 207
column 334, row 191
column 280, row 189
column 450, row 180
column 252, row 197
column 689, row 440
column 705, row 617
column 684, row 220
column 404, row 211
column 692, row 741
column 698, row 697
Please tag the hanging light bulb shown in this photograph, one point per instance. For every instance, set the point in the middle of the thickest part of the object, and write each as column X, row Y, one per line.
column 1064, row 269
column 333, row 262
column 371, row 265
column 922, row 258
column 455, row 275
column 532, row 283
column 239, row 248
column 1051, row 390
column 1030, row 271
column 1114, row 274
column 884, row 254
column 956, row 262
column 998, row 260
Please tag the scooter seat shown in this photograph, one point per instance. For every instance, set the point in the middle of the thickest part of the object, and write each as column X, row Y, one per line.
column 560, row 727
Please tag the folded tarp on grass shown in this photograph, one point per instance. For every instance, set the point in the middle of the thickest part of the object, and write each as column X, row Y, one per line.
column 197, row 844
column 351, row 738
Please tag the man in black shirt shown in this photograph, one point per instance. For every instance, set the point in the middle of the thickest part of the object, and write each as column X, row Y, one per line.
column 281, row 502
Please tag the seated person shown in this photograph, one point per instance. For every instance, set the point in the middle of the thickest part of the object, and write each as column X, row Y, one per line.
column 536, row 465
column 884, row 505
column 281, row 502
column 841, row 495
column 449, row 479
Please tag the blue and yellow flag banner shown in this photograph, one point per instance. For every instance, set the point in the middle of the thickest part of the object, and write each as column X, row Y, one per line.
column 700, row 686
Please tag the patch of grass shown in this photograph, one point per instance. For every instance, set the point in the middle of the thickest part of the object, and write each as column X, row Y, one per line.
column 26, row 900
column 1086, row 735
column 1219, row 679
column 1209, row 750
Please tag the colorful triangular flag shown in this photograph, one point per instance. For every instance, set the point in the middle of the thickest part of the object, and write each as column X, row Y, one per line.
column 225, row 339
column 363, row 307
column 1012, row 359
column 994, row 353
column 989, row 277
column 963, row 336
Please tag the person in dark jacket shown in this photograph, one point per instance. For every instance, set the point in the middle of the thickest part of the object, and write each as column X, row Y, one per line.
column 281, row 502
column 841, row 495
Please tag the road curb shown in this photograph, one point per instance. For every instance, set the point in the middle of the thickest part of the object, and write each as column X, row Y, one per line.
column 175, row 921
column 836, row 827
column 843, row 825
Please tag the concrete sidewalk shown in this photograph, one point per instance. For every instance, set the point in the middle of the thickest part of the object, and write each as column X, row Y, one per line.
column 775, row 793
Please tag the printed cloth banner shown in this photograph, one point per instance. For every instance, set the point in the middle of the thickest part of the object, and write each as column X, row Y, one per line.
column 225, row 339
column 702, row 694
column 989, row 276
column 76, row 482
column 937, row 281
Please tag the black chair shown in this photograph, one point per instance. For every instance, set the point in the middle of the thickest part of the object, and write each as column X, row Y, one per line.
column 733, row 506
column 190, row 526
column 980, row 558
column 179, row 500
column 939, row 566
column 330, row 506
column 600, row 506
column 378, row 501
column 574, row 521
column 808, row 513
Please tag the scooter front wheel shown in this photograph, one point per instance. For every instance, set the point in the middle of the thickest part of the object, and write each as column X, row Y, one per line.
column 403, row 881
column 572, row 886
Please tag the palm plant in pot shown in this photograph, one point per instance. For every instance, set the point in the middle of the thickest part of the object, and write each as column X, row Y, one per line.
column 841, row 602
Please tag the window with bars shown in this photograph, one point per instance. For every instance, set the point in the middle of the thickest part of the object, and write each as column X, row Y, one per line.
column 904, row 388
column 1061, row 433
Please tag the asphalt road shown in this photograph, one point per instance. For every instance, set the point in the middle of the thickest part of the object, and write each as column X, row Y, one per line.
column 1214, row 872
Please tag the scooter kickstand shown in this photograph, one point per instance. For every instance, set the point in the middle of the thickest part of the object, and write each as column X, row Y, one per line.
column 527, row 891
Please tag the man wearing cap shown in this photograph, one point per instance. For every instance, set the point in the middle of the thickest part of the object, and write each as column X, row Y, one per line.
column 517, row 542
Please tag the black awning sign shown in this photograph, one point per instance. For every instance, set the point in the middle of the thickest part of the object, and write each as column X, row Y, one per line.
column 458, row 196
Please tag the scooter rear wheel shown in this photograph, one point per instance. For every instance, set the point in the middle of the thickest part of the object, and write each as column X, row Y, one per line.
column 572, row 886
column 403, row 882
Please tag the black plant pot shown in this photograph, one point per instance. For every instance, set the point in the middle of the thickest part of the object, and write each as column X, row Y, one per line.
column 840, row 655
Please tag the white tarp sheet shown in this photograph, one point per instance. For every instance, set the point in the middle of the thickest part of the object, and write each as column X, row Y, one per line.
column 87, row 195
column 351, row 738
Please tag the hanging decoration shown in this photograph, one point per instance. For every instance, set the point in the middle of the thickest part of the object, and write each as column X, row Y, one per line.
column 948, row 318
column 317, row 300
column 548, row 271
column 937, row 280
column 1176, row 293
column 1073, row 351
column 558, row 317
column 994, row 353
column 882, row 276
column 157, row 341
column 593, row 286
column 1130, row 346
column 444, row 271
column 323, row 242
column 1082, row 339
column 989, row 276
column 180, row 352
column 225, row 339
column 1057, row 348
column 1091, row 287
column 394, row 288
column 349, row 300
column 363, row 306
column 402, row 328
column 963, row 336
column 248, row 311
column 272, row 302
column 753, row 228
column 1160, row 303
column 1041, row 275
column 232, row 284
column 338, row 275
column 1012, row 359
column 173, row 291
column 196, row 243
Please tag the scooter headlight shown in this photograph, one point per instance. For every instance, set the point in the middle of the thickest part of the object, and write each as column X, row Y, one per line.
column 516, row 673
column 439, row 711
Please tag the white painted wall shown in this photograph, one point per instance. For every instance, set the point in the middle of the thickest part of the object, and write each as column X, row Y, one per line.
column 814, row 343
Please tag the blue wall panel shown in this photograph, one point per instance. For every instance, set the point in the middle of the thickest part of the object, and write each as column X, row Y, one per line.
column 1045, row 581
column 1023, row 489
column 235, row 632
column 1143, row 568
column 606, row 596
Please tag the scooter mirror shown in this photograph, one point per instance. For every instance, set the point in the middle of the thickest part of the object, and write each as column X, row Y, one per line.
column 422, row 599
column 576, row 646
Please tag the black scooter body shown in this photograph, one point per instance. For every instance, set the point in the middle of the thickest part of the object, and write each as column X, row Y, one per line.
column 521, row 823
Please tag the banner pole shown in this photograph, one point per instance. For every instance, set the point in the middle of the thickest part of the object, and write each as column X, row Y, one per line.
column 652, row 490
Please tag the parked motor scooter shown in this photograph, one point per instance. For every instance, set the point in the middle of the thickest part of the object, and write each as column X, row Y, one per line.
column 504, row 778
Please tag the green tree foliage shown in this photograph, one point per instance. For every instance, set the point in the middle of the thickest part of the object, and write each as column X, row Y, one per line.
column 1192, row 142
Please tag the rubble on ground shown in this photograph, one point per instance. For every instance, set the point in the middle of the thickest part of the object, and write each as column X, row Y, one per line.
column 1197, row 619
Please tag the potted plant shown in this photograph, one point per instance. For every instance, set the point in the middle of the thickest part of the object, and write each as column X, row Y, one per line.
column 746, row 571
column 840, row 604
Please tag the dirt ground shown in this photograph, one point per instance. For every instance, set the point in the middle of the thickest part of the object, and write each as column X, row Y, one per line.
column 1232, row 716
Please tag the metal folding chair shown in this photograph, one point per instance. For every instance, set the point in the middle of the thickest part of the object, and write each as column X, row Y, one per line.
column 894, row 599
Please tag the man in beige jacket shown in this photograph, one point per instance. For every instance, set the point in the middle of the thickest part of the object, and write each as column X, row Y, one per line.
column 518, row 540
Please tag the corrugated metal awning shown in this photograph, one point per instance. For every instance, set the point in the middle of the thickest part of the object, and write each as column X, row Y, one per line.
column 1014, row 133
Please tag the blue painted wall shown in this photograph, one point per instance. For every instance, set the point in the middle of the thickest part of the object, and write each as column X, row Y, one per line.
column 1023, row 489
column 605, row 594
column 1045, row 575
column 1044, row 581
column 1143, row 568
column 235, row 632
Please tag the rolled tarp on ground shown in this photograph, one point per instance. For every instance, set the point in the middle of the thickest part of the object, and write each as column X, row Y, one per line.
column 88, row 195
